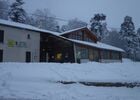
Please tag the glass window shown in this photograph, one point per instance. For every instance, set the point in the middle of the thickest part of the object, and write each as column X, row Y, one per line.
column 115, row 55
column 82, row 52
column 105, row 54
column 1, row 55
column 96, row 55
column 58, row 56
column 76, row 36
column 28, row 36
column 1, row 36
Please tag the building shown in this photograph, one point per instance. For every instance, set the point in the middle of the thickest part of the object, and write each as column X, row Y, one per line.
column 88, row 48
column 25, row 43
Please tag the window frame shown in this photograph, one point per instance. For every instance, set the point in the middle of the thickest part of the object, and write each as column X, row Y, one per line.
column 1, row 36
column 1, row 55
column 28, row 36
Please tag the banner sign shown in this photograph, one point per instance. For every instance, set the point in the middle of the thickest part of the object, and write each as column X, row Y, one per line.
column 13, row 43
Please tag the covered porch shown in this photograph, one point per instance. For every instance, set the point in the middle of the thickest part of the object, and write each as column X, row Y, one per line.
column 56, row 49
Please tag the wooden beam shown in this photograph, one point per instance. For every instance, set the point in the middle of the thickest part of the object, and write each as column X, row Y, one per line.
column 74, row 47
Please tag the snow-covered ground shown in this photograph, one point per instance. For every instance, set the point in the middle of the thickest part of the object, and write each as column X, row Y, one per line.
column 53, row 91
column 38, row 81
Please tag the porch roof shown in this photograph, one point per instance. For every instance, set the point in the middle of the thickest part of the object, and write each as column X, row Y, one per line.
column 98, row 45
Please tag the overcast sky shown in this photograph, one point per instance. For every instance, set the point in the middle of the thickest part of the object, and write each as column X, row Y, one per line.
column 85, row 9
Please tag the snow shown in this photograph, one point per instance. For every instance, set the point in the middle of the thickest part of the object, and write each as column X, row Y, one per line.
column 92, row 72
column 25, row 26
column 38, row 81
column 98, row 45
column 51, row 91
column 69, row 31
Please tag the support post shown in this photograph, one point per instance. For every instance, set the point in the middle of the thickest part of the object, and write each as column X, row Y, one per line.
column 75, row 58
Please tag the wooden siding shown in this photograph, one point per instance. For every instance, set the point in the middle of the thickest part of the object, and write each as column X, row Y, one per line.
column 98, row 55
column 85, row 36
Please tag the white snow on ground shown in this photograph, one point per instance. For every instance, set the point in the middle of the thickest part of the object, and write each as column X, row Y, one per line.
column 53, row 91
column 37, row 81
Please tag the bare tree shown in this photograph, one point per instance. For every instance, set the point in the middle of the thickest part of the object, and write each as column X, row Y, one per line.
column 44, row 20
column 72, row 24
column 4, row 5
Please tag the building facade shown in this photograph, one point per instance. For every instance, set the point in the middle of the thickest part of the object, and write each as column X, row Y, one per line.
column 19, row 45
column 88, row 48
column 25, row 43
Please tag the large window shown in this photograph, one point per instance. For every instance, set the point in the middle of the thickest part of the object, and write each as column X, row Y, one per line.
column 1, row 36
column 115, row 55
column 105, row 54
column 96, row 55
column 77, row 36
column 1, row 55
column 82, row 53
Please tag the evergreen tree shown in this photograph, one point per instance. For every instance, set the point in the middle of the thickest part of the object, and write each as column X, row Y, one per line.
column 113, row 39
column 138, row 31
column 17, row 13
column 128, row 34
column 99, row 26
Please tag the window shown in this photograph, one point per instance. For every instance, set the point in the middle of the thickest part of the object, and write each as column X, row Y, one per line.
column 28, row 36
column 84, row 53
column 96, row 55
column 76, row 36
column 1, row 55
column 115, row 55
column 1, row 36
column 58, row 56
column 105, row 54
column 28, row 56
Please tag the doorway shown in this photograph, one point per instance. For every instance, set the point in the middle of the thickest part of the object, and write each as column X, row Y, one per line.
column 1, row 55
column 28, row 56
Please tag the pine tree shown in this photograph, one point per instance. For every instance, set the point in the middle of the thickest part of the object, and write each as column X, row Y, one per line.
column 17, row 13
column 128, row 34
column 99, row 26
column 138, row 31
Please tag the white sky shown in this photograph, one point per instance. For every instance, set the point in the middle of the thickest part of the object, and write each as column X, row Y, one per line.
column 85, row 9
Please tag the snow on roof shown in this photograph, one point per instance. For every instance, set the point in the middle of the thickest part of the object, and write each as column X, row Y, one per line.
column 25, row 26
column 110, row 29
column 98, row 45
column 29, row 27
column 72, row 30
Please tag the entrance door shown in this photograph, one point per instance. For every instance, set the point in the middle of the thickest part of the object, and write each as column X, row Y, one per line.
column 28, row 56
column 1, row 55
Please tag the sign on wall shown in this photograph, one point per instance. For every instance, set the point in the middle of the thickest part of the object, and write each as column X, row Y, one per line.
column 13, row 43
